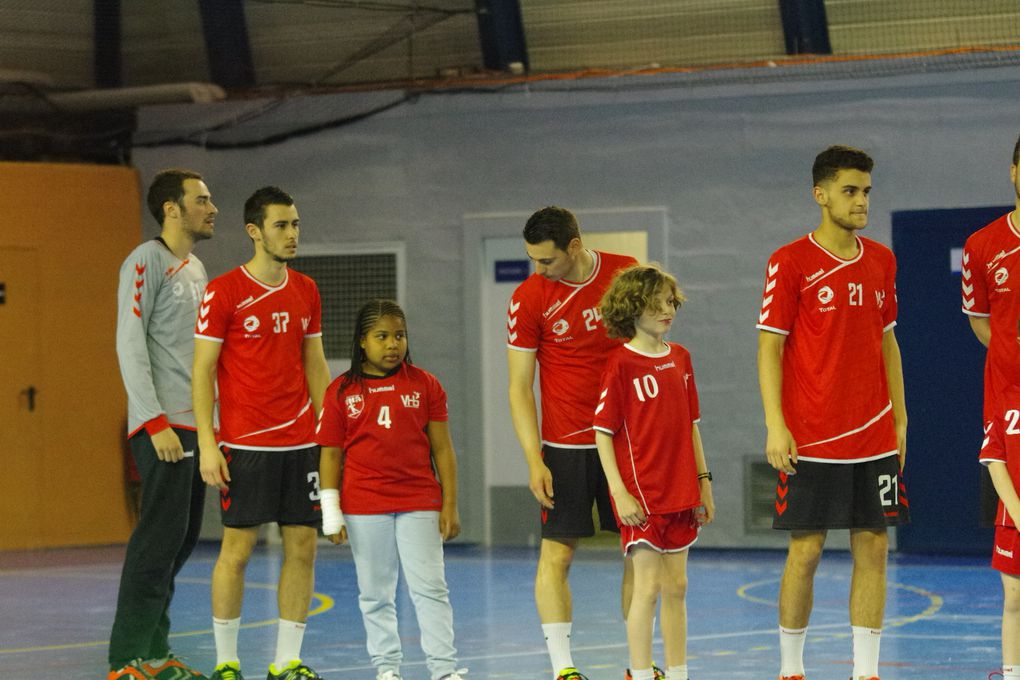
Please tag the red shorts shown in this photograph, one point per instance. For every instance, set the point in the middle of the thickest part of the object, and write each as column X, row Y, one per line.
column 663, row 533
column 1006, row 552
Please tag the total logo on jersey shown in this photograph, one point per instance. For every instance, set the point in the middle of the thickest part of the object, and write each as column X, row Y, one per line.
column 1001, row 276
column 560, row 327
column 825, row 295
column 251, row 324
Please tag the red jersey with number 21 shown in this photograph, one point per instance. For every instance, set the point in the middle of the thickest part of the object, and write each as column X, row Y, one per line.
column 264, row 401
column 649, row 403
column 381, row 426
column 833, row 313
column 561, row 322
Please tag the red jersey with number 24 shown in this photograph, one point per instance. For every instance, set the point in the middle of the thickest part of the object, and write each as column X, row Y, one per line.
column 381, row 426
column 561, row 322
column 264, row 401
column 649, row 403
column 833, row 313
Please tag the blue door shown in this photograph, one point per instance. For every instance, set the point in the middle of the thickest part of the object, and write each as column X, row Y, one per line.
column 943, row 365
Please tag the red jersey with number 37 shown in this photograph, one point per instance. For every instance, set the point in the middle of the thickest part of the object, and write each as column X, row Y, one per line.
column 380, row 423
column 833, row 313
column 263, row 395
column 991, row 288
column 649, row 403
column 561, row 322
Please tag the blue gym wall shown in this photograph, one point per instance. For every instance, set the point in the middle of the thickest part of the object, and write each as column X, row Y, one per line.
column 731, row 165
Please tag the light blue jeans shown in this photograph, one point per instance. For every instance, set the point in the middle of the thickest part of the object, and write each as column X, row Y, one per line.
column 411, row 539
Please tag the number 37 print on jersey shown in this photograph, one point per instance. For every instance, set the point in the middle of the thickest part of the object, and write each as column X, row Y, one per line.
column 833, row 313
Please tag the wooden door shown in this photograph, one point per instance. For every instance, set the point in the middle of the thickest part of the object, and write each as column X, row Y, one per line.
column 21, row 454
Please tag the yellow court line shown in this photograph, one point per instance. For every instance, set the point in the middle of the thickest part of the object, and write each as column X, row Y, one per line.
column 935, row 601
column 325, row 603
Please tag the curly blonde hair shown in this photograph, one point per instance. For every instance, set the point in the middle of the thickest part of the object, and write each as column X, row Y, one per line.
column 631, row 292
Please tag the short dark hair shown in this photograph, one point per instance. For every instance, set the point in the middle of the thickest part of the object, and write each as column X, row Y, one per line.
column 167, row 185
column 552, row 224
column 255, row 206
column 839, row 157
column 1016, row 152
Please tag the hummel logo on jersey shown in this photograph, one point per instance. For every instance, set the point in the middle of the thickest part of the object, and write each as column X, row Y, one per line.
column 825, row 295
column 251, row 324
column 514, row 306
column 663, row 367
column 560, row 327
column 387, row 388
column 208, row 296
column 411, row 400
column 770, row 283
column 995, row 260
column 1004, row 553
column 247, row 301
column 547, row 313
column 809, row 279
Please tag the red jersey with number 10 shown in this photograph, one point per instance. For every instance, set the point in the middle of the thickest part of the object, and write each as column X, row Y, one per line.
column 380, row 423
column 834, row 313
column 264, row 402
column 649, row 403
column 561, row 322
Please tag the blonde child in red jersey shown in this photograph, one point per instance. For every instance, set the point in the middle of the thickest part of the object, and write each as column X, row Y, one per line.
column 650, row 447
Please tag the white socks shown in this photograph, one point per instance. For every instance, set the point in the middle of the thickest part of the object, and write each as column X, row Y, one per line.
column 791, row 650
column 289, row 636
column 1010, row 672
column 557, row 640
column 677, row 672
column 225, row 634
column 866, row 643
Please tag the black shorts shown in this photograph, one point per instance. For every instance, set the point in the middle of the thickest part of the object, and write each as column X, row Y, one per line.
column 866, row 495
column 271, row 486
column 578, row 481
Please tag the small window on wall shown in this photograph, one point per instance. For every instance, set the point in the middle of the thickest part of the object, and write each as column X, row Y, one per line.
column 347, row 276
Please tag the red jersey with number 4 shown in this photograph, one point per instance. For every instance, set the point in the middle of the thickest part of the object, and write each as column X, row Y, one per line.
column 263, row 395
column 649, row 403
column 991, row 288
column 561, row 322
column 381, row 426
column 833, row 313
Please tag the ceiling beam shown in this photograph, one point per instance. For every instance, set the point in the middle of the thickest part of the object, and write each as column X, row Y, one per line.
column 226, row 43
column 805, row 27
column 106, row 43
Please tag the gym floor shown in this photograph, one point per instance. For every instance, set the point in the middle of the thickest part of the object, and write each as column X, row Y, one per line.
column 942, row 617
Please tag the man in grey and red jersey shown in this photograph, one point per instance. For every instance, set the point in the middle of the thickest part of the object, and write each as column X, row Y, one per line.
column 991, row 301
column 258, row 338
column 554, row 322
column 161, row 288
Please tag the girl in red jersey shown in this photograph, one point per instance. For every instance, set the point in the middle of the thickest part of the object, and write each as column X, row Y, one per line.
column 383, row 428
column 648, row 441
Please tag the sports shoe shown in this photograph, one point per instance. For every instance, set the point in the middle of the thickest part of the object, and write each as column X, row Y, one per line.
column 133, row 670
column 171, row 668
column 295, row 670
column 657, row 673
column 570, row 674
column 456, row 675
column 388, row 675
column 791, row 677
column 227, row 671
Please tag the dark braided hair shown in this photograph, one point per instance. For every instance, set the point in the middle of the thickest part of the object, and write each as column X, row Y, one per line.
column 368, row 315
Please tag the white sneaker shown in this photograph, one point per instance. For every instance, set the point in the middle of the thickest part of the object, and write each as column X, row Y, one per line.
column 456, row 675
column 388, row 675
